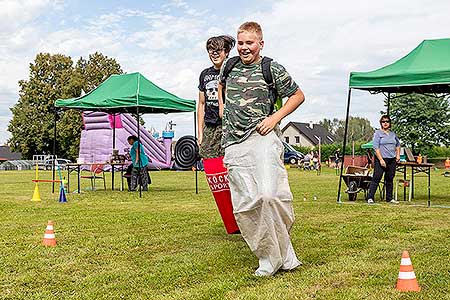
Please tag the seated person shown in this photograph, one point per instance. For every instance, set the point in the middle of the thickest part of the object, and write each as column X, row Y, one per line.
column 139, row 171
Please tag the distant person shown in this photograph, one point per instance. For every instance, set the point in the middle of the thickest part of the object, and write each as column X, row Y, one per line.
column 315, row 160
column 208, row 120
column 139, row 173
column 387, row 154
column 307, row 161
column 260, row 192
column 337, row 160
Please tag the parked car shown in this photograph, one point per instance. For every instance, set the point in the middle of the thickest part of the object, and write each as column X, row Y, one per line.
column 291, row 156
column 62, row 162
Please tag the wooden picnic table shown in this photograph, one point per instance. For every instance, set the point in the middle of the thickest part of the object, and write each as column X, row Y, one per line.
column 415, row 169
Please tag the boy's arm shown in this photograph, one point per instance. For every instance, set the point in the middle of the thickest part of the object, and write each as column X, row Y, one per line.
column 220, row 94
column 200, row 116
column 269, row 123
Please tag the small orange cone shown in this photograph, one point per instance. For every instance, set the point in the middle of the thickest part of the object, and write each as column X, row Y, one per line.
column 49, row 236
column 406, row 278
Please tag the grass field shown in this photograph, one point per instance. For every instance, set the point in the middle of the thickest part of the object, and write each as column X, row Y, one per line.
column 171, row 243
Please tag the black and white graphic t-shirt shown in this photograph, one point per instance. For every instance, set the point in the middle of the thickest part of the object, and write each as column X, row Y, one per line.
column 208, row 82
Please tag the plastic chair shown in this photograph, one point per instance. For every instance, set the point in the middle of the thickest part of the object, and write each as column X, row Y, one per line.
column 97, row 172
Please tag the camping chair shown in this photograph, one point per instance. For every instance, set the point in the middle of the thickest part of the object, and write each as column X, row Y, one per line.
column 97, row 172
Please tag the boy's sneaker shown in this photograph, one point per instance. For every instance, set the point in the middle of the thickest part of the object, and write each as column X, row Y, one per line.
column 393, row 201
column 370, row 201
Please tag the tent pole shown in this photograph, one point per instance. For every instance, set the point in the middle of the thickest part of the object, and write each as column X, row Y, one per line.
column 55, row 115
column 138, row 151
column 112, row 152
column 388, row 103
column 114, row 131
column 195, row 136
column 344, row 145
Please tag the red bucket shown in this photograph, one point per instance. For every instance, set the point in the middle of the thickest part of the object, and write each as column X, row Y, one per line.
column 217, row 177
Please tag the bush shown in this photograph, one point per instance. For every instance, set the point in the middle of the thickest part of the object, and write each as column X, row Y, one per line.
column 328, row 150
column 440, row 152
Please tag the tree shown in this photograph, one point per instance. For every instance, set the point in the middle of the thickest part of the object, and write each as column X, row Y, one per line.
column 32, row 124
column 88, row 74
column 359, row 129
column 96, row 69
column 421, row 121
column 53, row 77
column 330, row 125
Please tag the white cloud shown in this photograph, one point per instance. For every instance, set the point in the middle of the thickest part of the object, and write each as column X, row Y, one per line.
column 14, row 13
column 319, row 43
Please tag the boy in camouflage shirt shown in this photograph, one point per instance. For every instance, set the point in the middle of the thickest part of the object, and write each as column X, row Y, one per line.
column 260, row 192
column 208, row 120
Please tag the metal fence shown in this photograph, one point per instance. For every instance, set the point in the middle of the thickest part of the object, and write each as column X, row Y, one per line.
column 17, row 165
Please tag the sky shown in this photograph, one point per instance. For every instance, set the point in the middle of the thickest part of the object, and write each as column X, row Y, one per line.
column 319, row 42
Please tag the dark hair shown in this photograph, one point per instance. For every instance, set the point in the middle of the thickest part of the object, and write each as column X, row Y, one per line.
column 132, row 137
column 220, row 42
column 386, row 117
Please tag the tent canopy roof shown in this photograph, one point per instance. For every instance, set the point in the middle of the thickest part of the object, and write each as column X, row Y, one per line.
column 368, row 145
column 127, row 92
column 426, row 69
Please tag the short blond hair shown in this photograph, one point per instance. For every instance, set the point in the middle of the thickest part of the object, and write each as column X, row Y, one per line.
column 251, row 27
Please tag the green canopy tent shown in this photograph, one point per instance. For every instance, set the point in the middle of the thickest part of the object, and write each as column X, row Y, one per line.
column 425, row 70
column 368, row 145
column 128, row 93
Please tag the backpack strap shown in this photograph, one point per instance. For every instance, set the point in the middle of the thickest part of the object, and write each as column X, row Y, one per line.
column 229, row 65
column 268, row 78
column 267, row 74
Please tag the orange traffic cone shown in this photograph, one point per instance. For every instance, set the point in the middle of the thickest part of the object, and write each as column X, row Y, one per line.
column 49, row 236
column 406, row 278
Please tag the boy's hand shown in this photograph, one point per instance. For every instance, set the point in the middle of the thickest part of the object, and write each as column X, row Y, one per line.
column 267, row 125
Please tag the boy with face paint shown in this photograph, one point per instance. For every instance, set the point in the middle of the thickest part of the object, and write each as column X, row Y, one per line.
column 260, row 192
column 208, row 120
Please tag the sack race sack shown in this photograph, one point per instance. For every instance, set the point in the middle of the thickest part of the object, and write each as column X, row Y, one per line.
column 217, row 177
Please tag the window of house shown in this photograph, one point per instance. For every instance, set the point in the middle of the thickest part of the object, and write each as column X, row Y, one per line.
column 286, row 139
column 297, row 140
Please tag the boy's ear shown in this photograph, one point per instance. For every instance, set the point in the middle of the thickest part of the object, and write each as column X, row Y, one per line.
column 261, row 44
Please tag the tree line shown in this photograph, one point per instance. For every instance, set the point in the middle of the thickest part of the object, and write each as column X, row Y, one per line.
column 52, row 77
column 422, row 122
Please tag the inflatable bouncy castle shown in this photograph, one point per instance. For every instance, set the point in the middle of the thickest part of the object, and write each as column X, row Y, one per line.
column 96, row 143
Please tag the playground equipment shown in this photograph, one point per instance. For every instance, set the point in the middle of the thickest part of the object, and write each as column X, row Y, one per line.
column 36, row 195
column 102, row 131
column 186, row 152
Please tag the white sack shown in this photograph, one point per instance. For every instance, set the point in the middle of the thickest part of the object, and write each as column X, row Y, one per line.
column 262, row 200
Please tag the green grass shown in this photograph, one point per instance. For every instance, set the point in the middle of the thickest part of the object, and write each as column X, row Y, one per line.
column 171, row 243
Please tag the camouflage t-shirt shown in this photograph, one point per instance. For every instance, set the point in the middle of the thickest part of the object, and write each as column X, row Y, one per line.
column 247, row 100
